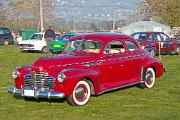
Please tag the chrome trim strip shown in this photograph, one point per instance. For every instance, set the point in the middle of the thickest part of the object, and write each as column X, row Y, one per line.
column 118, row 87
column 97, row 61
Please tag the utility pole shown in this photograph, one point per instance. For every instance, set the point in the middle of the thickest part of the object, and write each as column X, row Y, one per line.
column 41, row 16
column 74, row 25
column 114, row 19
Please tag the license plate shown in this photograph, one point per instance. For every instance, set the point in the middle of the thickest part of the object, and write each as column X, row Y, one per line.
column 57, row 46
column 29, row 93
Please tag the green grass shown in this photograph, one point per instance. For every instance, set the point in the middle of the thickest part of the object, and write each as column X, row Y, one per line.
column 159, row 103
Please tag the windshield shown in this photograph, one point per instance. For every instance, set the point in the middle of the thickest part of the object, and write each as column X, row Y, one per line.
column 92, row 46
column 36, row 37
column 1, row 31
column 66, row 37
column 139, row 36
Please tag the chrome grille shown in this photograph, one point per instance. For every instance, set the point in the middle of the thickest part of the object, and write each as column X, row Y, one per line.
column 39, row 80
column 28, row 81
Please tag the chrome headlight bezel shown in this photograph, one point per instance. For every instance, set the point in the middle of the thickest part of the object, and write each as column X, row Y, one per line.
column 15, row 74
column 61, row 77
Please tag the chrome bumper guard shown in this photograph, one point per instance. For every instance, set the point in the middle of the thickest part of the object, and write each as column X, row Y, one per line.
column 37, row 94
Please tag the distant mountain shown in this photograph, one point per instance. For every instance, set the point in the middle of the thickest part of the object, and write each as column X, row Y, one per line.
column 94, row 9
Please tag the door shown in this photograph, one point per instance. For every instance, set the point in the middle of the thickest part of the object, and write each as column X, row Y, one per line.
column 115, row 65
column 135, row 59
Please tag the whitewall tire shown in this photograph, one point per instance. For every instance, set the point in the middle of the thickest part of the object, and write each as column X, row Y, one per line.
column 149, row 77
column 81, row 94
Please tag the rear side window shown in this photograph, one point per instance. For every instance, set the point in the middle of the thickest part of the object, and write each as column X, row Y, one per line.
column 131, row 46
column 114, row 47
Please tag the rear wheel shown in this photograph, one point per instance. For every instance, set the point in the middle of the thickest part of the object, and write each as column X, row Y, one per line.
column 148, row 78
column 81, row 94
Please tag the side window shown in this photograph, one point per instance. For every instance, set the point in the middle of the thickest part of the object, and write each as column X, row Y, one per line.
column 164, row 37
column 150, row 37
column 114, row 47
column 157, row 37
column 131, row 46
column 142, row 36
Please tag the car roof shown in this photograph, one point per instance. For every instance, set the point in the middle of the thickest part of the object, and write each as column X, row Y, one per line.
column 43, row 33
column 147, row 32
column 102, row 36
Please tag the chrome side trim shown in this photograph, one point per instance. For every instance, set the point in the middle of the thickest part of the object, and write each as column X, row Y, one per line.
column 118, row 87
column 97, row 62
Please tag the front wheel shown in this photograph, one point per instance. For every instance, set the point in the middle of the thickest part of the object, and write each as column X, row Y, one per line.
column 152, row 52
column 80, row 94
column 44, row 50
column 148, row 78
column 178, row 50
column 6, row 42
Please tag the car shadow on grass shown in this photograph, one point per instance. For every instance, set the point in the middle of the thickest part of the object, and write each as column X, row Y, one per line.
column 62, row 100
column 119, row 89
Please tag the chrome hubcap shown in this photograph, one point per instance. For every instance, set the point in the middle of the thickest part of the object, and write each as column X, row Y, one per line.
column 149, row 78
column 81, row 93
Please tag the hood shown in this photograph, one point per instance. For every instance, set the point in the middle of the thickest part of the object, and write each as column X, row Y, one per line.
column 30, row 41
column 61, row 42
column 59, row 60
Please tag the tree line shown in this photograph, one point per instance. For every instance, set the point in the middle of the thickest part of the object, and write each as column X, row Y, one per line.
column 18, row 14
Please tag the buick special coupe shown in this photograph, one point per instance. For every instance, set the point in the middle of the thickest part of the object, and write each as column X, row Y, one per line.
column 90, row 64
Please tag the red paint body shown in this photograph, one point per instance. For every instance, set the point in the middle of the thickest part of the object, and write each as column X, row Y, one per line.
column 105, row 71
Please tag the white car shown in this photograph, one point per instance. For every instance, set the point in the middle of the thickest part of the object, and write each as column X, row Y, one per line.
column 35, row 43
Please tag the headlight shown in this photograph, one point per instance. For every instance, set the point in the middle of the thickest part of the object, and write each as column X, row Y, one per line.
column 61, row 77
column 143, row 46
column 15, row 74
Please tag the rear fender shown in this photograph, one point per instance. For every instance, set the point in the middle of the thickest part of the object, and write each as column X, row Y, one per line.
column 155, row 64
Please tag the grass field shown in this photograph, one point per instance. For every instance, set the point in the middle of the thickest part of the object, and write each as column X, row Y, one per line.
column 160, row 103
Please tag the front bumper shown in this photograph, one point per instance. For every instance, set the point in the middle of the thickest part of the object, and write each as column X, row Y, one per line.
column 54, row 50
column 35, row 93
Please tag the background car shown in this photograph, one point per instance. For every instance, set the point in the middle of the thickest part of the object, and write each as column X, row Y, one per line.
column 155, row 41
column 177, row 37
column 35, row 43
column 57, row 45
column 6, row 37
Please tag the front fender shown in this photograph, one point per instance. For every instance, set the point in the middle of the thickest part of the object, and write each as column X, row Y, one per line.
column 73, row 76
column 23, row 70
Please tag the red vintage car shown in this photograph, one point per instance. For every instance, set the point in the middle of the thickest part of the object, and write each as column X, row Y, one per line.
column 156, row 42
column 90, row 64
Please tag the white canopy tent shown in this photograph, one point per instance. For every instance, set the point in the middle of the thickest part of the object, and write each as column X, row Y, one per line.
column 144, row 26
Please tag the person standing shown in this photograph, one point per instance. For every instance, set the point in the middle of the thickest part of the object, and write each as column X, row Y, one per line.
column 49, row 36
column 14, row 37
